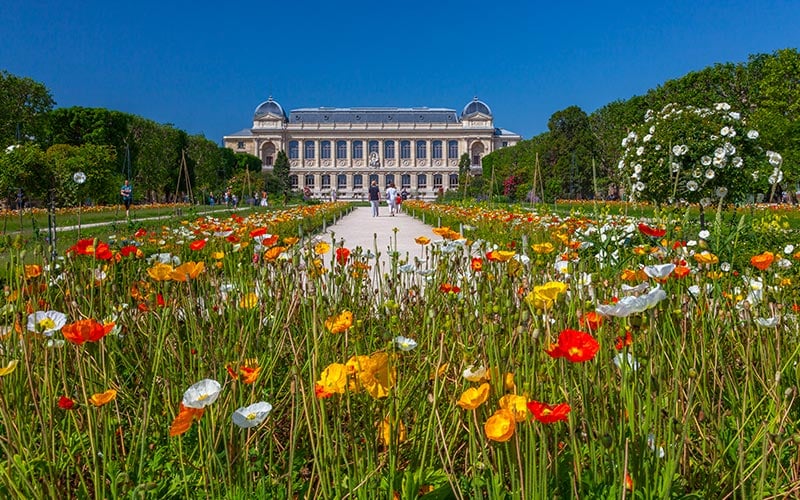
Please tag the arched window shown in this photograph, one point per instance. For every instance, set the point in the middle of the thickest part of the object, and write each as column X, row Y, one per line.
column 405, row 149
column 422, row 181
column 388, row 179
column 358, row 149
column 388, row 149
column 293, row 181
column 453, row 181
column 341, row 181
column 437, row 150
column 422, row 149
column 373, row 147
column 405, row 181
column 309, row 180
column 326, row 181
column 358, row 181
column 325, row 150
column 437, row 181
column 294, row 149
column 309, row 150
column 452, row 149
column 341, row 149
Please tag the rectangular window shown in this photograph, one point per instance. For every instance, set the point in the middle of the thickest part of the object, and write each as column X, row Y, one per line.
column 388, row 150
column 422, row 181
column 310, row 150
column 422, row 149
column 240, row 144
column 437, row 181
column 293, row 181
column 358, row 149
column 326, row 181
column 294, row 150
column 437, row 150
column 405, row 181
column 325, row 150
column 452, row 149
column 341, row 149
column 405, row 149
column 341, row 181
column 505, row 144
column 373, row 147
column 310, row 180
column 358, row 181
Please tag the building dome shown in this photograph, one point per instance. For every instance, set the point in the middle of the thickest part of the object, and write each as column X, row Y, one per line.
column 476, row 106
column 269, row 107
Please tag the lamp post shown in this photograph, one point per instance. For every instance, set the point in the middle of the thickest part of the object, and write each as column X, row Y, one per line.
column 79, row 178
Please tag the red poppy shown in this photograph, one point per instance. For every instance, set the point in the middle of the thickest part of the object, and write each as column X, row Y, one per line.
column 477, row 264
column 342, row 254
column 85, row 330
column 160, row 300
column 197, row 244
column 620, row 342
column 591, row 320
column 574, row 345
column 448, row 288
column 232, row 238
column 141, row 232
column 128, row 250
column 88, row 247
column 261, row 231
column 548, row 414
column 66, row 403
column 654, row 232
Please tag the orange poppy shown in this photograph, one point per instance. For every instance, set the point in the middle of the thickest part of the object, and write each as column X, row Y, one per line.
column 103, row 398
column 184, row 419
column 197, row 244
column 85, row 330
column 762, row 261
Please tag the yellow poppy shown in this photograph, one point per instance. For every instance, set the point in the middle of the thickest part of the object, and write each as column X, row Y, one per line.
column 160, row 271
column 187, row 270
column 544, row 296
column 706, row 257
column 387, row 432
column 543, row 248
column 422, row 240
column 102, row 398
column 249, row 301
column 332, row 380
column 9, row 368
column 500, row 426
column 517, row 405
column 339, row 323
column 291, row 240
column 322, row 248
column 373, row 374
column 474, row 397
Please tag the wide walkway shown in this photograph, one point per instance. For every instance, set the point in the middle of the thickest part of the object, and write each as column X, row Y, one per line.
column 382, row 235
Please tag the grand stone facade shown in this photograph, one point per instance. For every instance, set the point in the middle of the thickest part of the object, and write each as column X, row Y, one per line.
column 345, row 149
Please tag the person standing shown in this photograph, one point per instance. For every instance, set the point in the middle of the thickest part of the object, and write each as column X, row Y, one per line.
column 264, row 201
column 374, row 197
column 391, row 198
column 126, row 191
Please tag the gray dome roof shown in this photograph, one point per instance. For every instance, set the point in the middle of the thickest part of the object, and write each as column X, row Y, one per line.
column 269, row 107
column 476, row 106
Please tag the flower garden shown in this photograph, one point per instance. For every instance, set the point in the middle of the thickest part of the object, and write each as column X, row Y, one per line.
column 519, row 354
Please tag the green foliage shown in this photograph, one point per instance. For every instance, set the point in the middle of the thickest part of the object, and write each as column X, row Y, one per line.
column 24, row 167
column 96, row 162
column 280, row 171
column 23, row 103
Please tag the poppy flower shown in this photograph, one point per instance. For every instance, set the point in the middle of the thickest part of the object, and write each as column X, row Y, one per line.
column 33, row 271
column 543, row 248
column 339, row 323
column 620, row 342
column 197, row 245
column 248, row 301
column 653, row 232
column 140, row 232
column 474, row 397
column 448, row 288
column 476, row 264
column 103, row 398
column 160, row 272
column 290, row 240
column 762, row 261
column 129, row 250
column 201, row 394
column 184, row 419
column 517, row 405
column 9, row 368
column 706, row 257
column 500, row 426
column 261, row 231
column 273, row 253
column 332, row 380
column 422, row 240
column 681, row 271
column 500, row 255
column 66, row 403
column 187, row 270
column 591, row 320
column 544, row 296
column 249, row 373
column 373, row 374
column 441, row 231
column 85, row 330
column 46, row 322
column 391, row 434
column 574, row 345
column 476, row 374
column 322, row 248
column 251, row 416
column 548, row 414
column 342, row 254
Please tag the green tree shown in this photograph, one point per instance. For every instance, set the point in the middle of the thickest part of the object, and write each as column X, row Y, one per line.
column 156, row 157
column 23, row 103
column 97, row 162
column 205, row 159
column 572, row 147
column 25, row 167
column 280, row 170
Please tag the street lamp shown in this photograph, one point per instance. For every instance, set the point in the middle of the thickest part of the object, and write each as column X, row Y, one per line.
column 79, row 178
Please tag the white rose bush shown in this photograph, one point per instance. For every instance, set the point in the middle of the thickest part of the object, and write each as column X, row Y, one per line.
column 697, row 155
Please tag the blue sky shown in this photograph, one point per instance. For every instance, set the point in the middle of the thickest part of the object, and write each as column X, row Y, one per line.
column 205, row 66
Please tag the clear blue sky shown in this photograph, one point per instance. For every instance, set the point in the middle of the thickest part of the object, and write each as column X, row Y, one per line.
column 205, row 66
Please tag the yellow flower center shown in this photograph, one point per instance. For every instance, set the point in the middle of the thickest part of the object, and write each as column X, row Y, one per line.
column 250, row 416
column 46, row 323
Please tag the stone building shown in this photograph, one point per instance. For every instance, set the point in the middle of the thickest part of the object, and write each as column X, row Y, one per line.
column 344, row 149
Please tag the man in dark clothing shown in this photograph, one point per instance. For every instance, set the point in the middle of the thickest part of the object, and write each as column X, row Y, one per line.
column 374, row 197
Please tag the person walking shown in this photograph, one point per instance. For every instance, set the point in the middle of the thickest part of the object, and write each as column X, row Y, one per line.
column 126, row 191
column 374, row 197
column 391, row 198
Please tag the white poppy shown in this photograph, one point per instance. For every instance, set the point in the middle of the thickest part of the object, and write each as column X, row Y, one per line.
column 46, row 322
column 752, row 134
column 251, row 416
column 404, row 343
column 201, row 394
